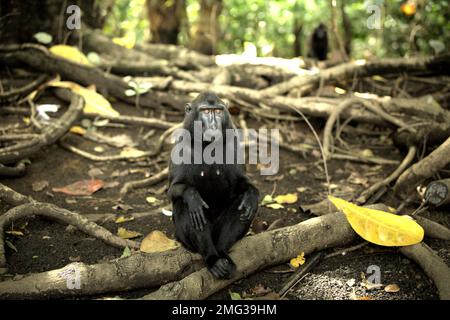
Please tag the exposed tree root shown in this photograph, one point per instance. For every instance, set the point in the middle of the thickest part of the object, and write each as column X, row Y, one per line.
column 95, row 157
column 18, row 170
column 54, row 212
column 350, row 69
column 145, row 182
column 149, row 270
column 433, row 266
column 423, row 170
column 21, row 92
column 394, row 175
column 49, row 135
column 39, row 58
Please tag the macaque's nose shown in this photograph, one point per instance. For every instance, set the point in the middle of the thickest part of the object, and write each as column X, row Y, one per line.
column 213, row 123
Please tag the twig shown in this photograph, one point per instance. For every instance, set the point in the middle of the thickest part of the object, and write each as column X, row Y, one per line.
column 374, row 188
column 144, row 182
column 300, row 273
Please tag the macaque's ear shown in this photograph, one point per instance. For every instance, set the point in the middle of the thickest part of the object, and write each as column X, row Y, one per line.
column 188, row 108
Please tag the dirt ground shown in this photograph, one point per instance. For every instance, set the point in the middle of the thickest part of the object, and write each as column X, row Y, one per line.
column 47, row 245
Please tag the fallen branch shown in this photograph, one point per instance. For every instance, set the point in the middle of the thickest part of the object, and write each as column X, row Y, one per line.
column 127, row 187
column 39, row 58
column 423, row 169
column 142, row 270
column 361, row 69
column 16, row 94
column 394, row 175
column 433, row 266
column 18, row 170
column 54, row 212
column 95, row 157
column 49, row 135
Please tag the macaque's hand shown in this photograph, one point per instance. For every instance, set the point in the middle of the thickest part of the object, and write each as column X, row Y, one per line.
column 195, row 206
column 249, row 206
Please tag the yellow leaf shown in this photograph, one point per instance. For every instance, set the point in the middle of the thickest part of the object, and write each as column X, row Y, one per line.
column 131, row 152
column 157, row 241
column 95, row 102
column 128, row 41
column 70, row 53
column 275, row 206
column 151, row 200
column 287, row 198
column 379, row 227
column 267, row 199
column 15, row 233
column 123, row 219
column 127, row 234
column 392, row 288
column 78, row 130
column 298, row 261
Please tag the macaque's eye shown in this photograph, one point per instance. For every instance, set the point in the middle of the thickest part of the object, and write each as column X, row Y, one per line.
column 205, row 111
column 218, row 111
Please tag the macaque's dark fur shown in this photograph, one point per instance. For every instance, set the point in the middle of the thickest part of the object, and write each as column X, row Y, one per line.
column 318, row 46
column 225, row 202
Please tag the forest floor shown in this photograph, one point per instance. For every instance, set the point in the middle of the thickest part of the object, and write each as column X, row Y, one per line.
column 48, row 245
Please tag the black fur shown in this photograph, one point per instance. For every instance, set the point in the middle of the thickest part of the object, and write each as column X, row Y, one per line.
column 319, row 43
column 211, row 211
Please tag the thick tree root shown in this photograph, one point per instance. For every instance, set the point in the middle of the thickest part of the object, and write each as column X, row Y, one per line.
column 149, row 270
column 30, row 207
column 423, row 170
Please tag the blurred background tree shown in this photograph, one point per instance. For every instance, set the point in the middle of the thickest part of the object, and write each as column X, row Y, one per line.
column 266, row 28
column 282, row 28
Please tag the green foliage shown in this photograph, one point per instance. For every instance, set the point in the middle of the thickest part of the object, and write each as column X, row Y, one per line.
column 267, row 26
column 128, row 19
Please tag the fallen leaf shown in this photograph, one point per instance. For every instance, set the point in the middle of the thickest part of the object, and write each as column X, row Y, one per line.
column 167, row 212
column 75, row 259
column 81, row 188
column 39, row 185
column 379, row 227
column 10, row 245
column 369, row 285
column 351, row 282
column 78, row 130
column 131, row 152
column 127, row 234
column 392, row 288
column 235, row 295
column 43, row 37
column 289, row 198
column 151, row 200
column 157, row 241
column 94, row 172
column 15, row 233
column 267, row 199
column 298, row 261
column 126, row 252
column 275, row 206
column 70, row 53
column 94, row 102
column 123, row 219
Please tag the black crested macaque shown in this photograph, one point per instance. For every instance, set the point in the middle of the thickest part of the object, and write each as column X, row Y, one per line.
column 318, row 46
column 213, row 204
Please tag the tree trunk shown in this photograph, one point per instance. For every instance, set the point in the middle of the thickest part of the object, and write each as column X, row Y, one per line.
column 348, row 34
column 298, row 29
column 207, row 29
column 165, row 17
